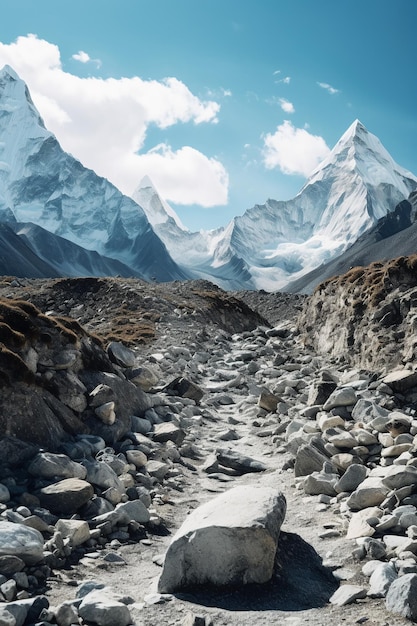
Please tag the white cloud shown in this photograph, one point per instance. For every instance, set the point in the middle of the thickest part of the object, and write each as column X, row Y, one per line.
column 286, row 80
column 188, row 176
column 293, row 150
column 286, row 106
column 331, row 90
column 81, row 56
column 84, row 57
column 104, row 122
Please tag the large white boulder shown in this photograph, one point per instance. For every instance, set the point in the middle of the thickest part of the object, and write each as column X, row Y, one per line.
column 231, row 540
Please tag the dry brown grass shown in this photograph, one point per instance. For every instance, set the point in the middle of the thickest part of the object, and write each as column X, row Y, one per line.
column 370, row 285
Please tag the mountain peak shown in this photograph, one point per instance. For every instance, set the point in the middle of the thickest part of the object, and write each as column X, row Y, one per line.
column 8, row 71
column 17, row 101
column 355, row 131
column 157, row 210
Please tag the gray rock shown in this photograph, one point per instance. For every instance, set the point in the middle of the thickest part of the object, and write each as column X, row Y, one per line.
column 48, row 465
column 101, row 474
column 124, row 513
column 137, row 457
column 13, row 614
column 102, row 608
column 381, row 579
column 106, row 412
column 320, row 391
column 268, row 401
column 401, row 380
column 309, row 459
column 66, row 496
column 70, row 390
column 352, row 478
column 22, row 542
column 359, row 526
column 344, row 396
column 66, row 614
column 230, row 540
column 120, row 354
column 141, row 425
column 168, row 431
column 76, row 530
column 100, row 395
column 239, row 462
column 10, row 564
column 371, row 492
column 400, row 476
column 157, row 469
column 185, row 389
column 144, row 377
column 402, row 597
column 4, row 494
column 347, row 594
column 321, row 483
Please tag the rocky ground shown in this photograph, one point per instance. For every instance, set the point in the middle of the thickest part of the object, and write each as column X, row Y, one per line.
column 219, row 379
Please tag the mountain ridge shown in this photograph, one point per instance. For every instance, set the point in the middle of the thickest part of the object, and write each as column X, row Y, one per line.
column 42, row 184
column 268, row 247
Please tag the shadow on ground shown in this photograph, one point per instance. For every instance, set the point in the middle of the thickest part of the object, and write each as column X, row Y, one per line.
column 300, row 582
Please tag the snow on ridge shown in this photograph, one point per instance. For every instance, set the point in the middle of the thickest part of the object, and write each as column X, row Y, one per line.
column 158, row 211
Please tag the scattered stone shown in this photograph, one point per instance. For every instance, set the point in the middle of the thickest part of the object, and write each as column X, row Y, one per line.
column 78, row 531
column 47, row 465
column 240, row 463
column 345, row 396
column 402, row 597
column 347, row 594
column 101, row 607
column 120, row 354
column 381, row 579
column 66, row 496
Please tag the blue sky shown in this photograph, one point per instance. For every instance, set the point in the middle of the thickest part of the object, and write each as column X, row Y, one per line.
column 223, row 103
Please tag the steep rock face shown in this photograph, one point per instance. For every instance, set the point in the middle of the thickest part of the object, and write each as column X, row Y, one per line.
column 367, row 317
column 41, row 183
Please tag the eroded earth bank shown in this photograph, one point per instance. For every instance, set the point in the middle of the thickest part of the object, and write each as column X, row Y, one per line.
column 126, row 408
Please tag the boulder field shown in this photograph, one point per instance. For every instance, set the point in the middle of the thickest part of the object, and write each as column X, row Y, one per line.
column 226, row 470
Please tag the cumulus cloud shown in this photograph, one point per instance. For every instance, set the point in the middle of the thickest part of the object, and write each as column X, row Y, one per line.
column 286, row 106
column 188, row 176
column 331, row 90
column 81, row 56
column 293, row 150
column 84, row 57
column 104, row 122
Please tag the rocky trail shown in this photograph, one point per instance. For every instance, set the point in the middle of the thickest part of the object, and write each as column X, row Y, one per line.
column 210, row 395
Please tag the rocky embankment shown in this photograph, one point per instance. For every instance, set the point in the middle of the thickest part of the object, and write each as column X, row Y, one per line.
column 215, row 403
column 367, row 317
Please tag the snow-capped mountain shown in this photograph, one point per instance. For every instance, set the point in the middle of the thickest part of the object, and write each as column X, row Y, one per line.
column 277, row 242
column 350, row 190
column 81, row 218
column 393, row 235
column 42, row 184
column 194, row 251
